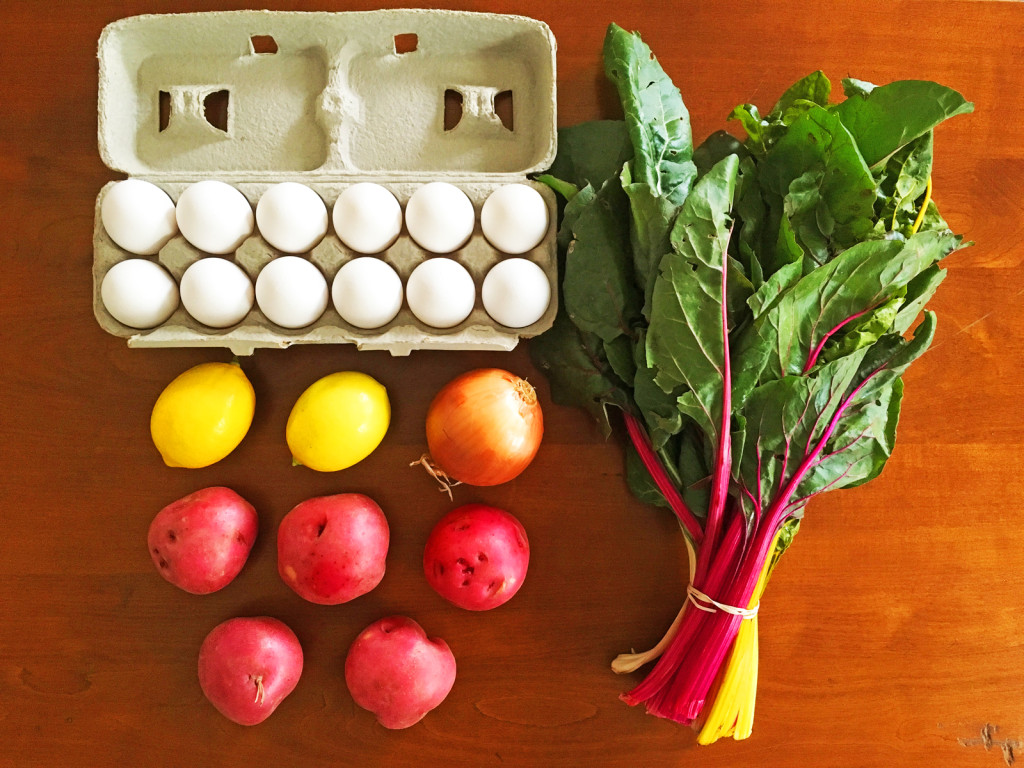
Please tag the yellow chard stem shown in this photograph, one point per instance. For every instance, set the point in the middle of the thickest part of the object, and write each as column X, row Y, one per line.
column 732, row 711
column 745, row 713
column 924, row 207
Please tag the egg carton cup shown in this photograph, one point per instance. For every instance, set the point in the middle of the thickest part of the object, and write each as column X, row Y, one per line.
column 328, row 100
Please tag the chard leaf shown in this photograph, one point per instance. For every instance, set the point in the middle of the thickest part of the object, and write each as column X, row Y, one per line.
column 865, row 439
column 739, row 291
column 753, row 124
column 751, row 211
column 807, row 216
column 685, row 462
column 598, row 290
column 829, row 191
column 714, row 148
column 915, row 166
column 639, row 480
column 832, row 429
column 570, row 215
column 651, row 218
column 782, row 419
column 619, row 353
column 657, row 407
column 656, row 118
column 888, row 117
column 772, row 289
column 860, row 279
column 865, row 330
column 892, row 353
column 578, row 371
column 814, row 88
column 865, row 431
column 763, row 132
column 903, row 181
column 919, row 292
column 694, row 468
column 789, row 252
column 591, row 153
column 685, row 341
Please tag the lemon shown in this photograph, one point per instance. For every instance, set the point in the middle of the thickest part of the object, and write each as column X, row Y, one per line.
column 338, row 421
column 202, row 415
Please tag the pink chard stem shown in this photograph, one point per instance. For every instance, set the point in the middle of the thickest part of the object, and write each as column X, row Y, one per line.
column 723, row 463
column 678, row 685
column 645, row 449
column 814, row 354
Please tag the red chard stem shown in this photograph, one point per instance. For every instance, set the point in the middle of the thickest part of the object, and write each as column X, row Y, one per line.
column 812, row 356
column 645, row 449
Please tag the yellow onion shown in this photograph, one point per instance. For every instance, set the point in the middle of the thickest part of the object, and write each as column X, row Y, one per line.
column 484, row 427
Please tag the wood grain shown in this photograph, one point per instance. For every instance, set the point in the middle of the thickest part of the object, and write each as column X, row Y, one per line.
column 892, row 634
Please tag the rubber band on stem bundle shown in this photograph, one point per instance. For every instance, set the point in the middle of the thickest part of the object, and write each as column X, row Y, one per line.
column 710, row 605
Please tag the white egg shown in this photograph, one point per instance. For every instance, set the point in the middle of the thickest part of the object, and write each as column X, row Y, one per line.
column 440, row 292
column 216, row 292
column 291, row 217
column 367, row 292
column 214, row 216
column 439, row 217
column 138, row 216
column 291, row 292
column 516, row 293
column 367, row 217
column 139, row 293
column 514, row 218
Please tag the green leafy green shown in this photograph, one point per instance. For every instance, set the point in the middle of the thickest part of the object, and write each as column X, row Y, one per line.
column 827, row 189
column 684, row 340
column 763, row 132
column 717, row 147
column 598, row 289
column 589, row 153
column 768, row 283
column 903, row 181
column 656, row 118
column 578, row 371
column 888, row 117
column 860, row 279
column 747, row 305
column 814, row 88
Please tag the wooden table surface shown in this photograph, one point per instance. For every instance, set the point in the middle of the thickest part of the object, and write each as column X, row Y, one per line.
column 892, row 633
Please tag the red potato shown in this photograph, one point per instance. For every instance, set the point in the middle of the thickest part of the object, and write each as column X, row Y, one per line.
column 248, row 665
column 396, row 672
column 200, row 542
column 332, row 549
column 476, row 557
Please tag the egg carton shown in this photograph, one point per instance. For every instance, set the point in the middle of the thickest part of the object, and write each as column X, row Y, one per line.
column 397, row 97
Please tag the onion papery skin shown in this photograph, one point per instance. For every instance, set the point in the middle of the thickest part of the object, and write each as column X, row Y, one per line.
column 484, row 427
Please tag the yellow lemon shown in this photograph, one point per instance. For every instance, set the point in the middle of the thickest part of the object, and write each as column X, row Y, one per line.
column 338, row 421
column 202, row 415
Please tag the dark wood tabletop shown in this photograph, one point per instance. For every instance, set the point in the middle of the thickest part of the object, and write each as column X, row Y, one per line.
column 892, row 633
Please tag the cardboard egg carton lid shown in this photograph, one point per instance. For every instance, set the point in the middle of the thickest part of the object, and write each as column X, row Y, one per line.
column 240, row 94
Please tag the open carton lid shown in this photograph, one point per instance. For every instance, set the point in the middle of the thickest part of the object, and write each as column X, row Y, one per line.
column 392, row 93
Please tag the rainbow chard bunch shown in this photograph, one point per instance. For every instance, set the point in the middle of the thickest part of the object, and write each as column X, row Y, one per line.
column 749, row 308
